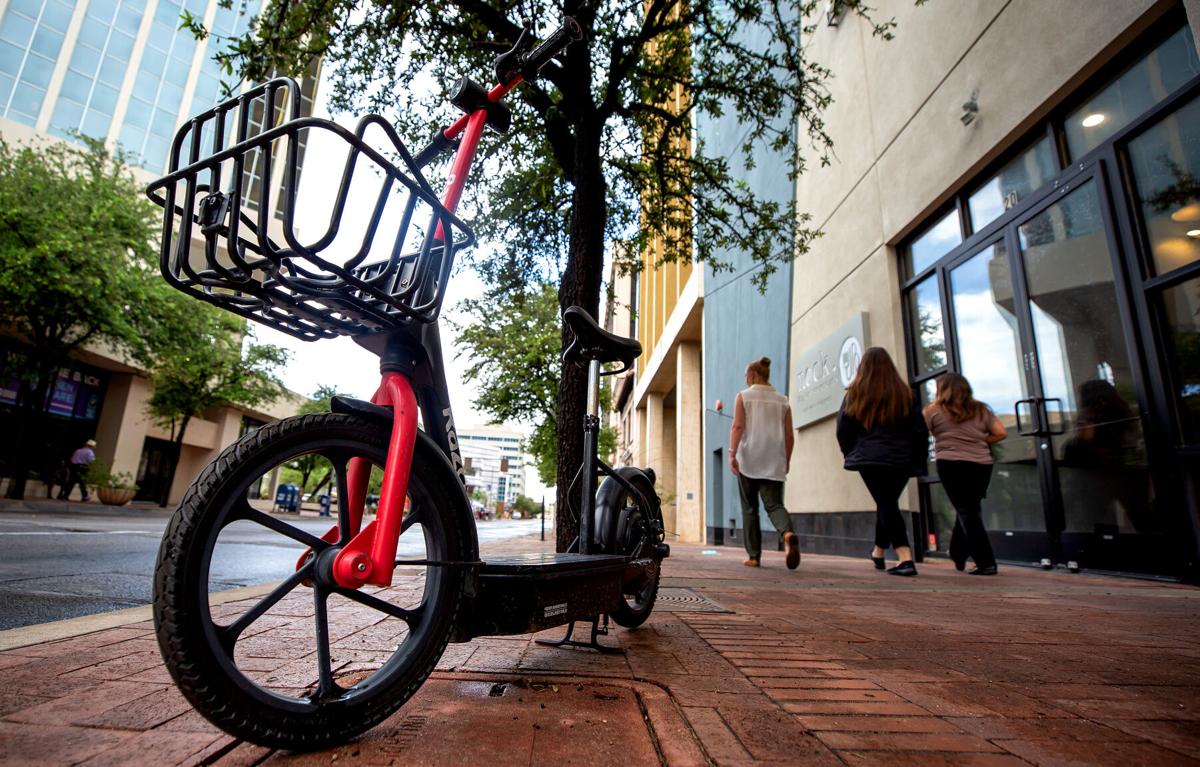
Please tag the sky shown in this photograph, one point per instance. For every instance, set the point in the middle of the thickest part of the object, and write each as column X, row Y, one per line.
column 340, row 362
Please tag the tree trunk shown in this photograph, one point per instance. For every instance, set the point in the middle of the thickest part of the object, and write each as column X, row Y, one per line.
column 29, row 415
column 580, row 286
column 176, row 453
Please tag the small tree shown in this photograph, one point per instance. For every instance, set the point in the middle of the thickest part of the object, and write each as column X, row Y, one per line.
column 526, row 506
column 77, row 267
column 512, row 341
column 202, row 361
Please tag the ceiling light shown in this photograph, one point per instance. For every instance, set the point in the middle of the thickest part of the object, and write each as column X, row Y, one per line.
column 1092, row 120
column 1187, row 213
column 1194, row 233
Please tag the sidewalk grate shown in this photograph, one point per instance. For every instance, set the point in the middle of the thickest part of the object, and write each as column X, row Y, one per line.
column 677, row 600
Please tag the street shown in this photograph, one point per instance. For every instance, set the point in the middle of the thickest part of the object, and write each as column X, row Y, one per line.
column 58, row 565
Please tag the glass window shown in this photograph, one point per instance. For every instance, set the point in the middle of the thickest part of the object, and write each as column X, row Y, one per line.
column 26, row 101
column 1166, row 173
column 932, row 244
column 28, row 49
column 57, row 15
column 85, row 59
column 17, row 29
column 10, row 58
column 47, row 42
column 1025, row 174
column 925, row 326
column 981, row 294
column 1140, row 87
column 1182, row 309
column 112, row 71
column 75, row 87
column 37, row 70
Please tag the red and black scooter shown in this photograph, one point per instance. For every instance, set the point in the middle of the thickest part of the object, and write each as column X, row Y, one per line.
column 228, row 241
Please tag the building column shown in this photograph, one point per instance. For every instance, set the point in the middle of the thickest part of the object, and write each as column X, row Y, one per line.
column 121, row 429
column 652, row 454
column 689, row 444
column 637, row 424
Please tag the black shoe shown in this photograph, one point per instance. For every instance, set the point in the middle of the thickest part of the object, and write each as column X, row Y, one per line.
column 878, row 562
column 960, row 564
column 904, row 568
column 983, row 570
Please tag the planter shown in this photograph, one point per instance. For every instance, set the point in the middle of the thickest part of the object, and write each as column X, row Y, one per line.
column 115, row 496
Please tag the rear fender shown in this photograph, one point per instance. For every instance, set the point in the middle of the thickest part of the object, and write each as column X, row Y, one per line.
column 611, row 519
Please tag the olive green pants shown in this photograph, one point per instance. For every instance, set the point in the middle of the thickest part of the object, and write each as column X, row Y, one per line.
column 771, row 492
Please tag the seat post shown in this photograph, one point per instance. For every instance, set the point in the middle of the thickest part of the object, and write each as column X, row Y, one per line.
column 591, row 434
column 593, row 395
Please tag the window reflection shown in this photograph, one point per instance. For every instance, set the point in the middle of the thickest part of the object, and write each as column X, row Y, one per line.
column 989, row 356
column 981, row 295
column 1085, row 370
column 925, row 324
column 935, row 242
column 1023, row 175
column 1166, row 172
column 1182, row 310
column 1140, row 87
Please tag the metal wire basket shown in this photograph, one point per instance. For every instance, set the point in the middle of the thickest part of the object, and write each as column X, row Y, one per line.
column 229, row 239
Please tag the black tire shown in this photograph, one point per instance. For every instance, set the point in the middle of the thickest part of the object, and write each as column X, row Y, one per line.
column 342, row 701
column 638, row 535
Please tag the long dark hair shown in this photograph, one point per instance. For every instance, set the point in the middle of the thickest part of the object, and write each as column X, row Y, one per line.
column 878, row 395
column 956, row 400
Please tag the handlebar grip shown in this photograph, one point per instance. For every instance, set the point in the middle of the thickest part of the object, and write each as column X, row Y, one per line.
column 556, row 43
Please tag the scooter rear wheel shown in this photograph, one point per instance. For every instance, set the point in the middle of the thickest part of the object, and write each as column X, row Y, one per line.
column 309, row 664
column 638, row 536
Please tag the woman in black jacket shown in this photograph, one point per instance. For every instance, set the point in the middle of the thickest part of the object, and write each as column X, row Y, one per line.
column 884, row 438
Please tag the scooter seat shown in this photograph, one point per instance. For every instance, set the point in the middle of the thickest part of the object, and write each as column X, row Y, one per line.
column 593, row 342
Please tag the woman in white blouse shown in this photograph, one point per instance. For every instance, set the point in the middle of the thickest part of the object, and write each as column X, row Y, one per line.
column 760, row 449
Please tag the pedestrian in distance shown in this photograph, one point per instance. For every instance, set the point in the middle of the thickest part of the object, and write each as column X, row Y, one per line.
column 964, row 430
column 81, row 459
column 760, row 450
column 883, row 437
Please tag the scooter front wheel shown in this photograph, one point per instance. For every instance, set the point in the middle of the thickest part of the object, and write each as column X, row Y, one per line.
column 302, row 663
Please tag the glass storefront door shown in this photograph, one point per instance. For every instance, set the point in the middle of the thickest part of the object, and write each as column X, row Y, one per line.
column 991, row 357
column 1039, row 331
column 1090, row 422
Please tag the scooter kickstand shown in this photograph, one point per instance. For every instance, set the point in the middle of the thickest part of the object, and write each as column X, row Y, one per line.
column 597, row 631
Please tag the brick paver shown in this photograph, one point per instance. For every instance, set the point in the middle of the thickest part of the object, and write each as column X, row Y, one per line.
column 831, row 664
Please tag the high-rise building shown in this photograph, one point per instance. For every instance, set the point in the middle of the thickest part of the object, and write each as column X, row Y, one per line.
column 123, row 72
column 494, row 461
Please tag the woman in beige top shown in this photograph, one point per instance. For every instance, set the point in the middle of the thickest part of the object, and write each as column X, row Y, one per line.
column 964, row 431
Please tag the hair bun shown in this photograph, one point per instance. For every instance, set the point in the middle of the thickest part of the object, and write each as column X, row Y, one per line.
column 765, row 361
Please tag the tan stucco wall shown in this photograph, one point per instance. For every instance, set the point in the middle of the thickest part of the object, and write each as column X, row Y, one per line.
column 901, row 151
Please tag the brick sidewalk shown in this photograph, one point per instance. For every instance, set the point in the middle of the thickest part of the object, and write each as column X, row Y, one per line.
column 832, row 664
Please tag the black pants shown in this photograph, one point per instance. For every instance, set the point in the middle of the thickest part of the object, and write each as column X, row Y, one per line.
column 75, row 478
column 885, row 484
column 966, row 484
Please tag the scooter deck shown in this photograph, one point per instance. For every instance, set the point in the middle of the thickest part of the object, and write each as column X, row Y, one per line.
column 523, row 593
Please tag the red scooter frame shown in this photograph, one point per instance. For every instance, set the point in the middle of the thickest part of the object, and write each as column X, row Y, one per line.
column 370, row 556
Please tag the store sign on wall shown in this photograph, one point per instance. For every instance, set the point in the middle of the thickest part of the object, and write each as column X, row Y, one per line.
column 824, row 371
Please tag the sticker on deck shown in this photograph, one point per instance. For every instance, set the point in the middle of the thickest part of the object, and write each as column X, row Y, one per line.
column 552, row 610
